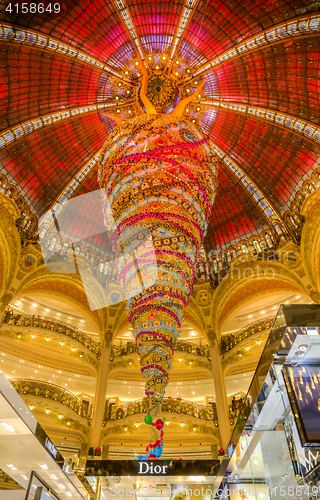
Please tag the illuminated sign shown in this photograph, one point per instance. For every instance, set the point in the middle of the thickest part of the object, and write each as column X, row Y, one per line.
column 51, row 447
column 147, row 468
column 97, row 467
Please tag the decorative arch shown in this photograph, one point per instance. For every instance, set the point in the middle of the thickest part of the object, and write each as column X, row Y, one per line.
column 64, row 287
column 238, row 290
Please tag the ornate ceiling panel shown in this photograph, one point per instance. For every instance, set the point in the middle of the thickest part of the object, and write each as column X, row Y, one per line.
column 280, row 75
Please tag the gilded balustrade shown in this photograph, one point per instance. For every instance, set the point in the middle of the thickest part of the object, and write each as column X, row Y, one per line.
column 230, row 341
column 53, row 392
column 169, row 405
column 57, row 326
column 187, row 347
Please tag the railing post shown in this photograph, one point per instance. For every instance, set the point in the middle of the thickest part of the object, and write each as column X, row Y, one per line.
column 221, row 395
column 100, row 395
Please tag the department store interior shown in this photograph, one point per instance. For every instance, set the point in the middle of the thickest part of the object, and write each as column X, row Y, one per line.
column 159, row 250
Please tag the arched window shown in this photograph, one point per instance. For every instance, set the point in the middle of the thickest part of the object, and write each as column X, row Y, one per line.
column 244, row 248
column 268, row 240
column 256, row 245
column 65, row 248
column 52, row 243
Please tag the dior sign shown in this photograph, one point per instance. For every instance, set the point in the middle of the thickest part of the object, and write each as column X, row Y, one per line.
column 148, row 468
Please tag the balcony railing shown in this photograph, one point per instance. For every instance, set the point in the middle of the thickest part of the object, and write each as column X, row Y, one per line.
column 53, row 392
column 56, row 326
column 131, row 347
column 230, row 341
column 169, row 405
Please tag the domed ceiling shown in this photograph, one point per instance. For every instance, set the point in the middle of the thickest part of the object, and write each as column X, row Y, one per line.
column 65, row 75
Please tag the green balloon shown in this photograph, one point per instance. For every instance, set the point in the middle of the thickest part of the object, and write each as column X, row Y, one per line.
column 163, row 420
column 148, row 419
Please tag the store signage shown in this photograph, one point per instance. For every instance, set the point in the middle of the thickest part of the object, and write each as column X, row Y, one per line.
column 148, row 468
column 51, row 447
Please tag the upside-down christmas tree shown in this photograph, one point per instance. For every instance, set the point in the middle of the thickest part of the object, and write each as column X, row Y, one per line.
column 159, row 179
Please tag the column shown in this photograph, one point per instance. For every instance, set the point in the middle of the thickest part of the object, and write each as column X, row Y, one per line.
column 100, row 395
column 221, row 396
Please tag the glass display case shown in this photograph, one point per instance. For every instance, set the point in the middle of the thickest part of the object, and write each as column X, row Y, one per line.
column 274, row 451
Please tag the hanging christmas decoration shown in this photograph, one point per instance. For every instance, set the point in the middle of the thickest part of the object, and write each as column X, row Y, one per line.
column 159, row 178
column 154, row 451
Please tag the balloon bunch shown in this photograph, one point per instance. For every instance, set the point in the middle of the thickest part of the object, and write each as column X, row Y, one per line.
column 155, row 450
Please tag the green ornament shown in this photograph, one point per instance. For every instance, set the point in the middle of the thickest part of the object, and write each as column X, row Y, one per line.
column 164, row 419
column 239, row 421
column 148, row 419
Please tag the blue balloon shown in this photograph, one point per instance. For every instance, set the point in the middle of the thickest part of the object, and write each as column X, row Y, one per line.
column 157, row 451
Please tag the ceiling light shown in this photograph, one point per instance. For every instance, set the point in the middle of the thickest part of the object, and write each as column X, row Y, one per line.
column 43, row 466
column 137, row 63
column 62, row 343
column 12, row 467
column 53, row 476
column 33, row 336
column 8, row 427
column 303, row 347
column 182, row 424
column 70, row 317
column 298, row 296
column 31, row 407
column 62, row 486
column 128, row 91
column 263, row 312
column 34, row 305
column 300, row 353
column 125, row 429
column 58, row 314
column 60, row 417
column 47, row 310
column 157, row 67
column 73, row 348
column 47, row 410
column 194, row 429
column 126, row 72
column 48, row 339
